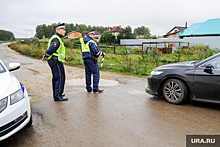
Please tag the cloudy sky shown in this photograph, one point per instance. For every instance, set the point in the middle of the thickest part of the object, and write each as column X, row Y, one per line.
column 22, row 16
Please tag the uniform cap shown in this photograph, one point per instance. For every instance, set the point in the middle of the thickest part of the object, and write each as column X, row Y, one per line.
column 60, row 26
column 91, row 32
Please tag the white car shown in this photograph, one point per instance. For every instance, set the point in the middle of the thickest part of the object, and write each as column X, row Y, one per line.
column 15, row 110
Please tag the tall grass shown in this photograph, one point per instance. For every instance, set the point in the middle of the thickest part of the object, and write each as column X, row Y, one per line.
column 126, row 60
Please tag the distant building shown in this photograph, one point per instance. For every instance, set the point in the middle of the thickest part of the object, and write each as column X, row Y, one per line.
column 209, row 28
column 115, row 30
column 74, row 34
column 173, row 33
column 97, row 35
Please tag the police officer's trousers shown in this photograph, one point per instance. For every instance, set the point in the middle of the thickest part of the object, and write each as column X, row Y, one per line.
column 58, row 79
column 91, row 68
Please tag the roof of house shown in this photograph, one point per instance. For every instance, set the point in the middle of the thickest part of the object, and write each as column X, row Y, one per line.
column 190, row 29
column 114, row 29
column 176, row 29
column 209, row 27
column 73, row 32
column 97, row 33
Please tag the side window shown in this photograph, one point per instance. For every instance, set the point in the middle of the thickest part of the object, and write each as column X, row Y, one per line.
column 215, row 63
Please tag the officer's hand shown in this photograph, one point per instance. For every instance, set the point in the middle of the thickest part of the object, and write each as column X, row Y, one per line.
column 44, row 58
column 67, row 57
column 103, row 53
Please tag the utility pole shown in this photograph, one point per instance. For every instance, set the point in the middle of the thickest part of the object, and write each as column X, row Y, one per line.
column 27, row 31
column 26, row 34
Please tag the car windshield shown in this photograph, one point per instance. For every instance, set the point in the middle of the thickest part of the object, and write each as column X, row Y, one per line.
column 2, row 69
column 207, row 58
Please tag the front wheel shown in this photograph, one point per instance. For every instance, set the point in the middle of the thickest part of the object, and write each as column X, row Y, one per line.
column 175, row 91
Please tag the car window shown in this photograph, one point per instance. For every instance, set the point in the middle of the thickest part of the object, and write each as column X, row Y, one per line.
column 2, row 69
column 215, row 63
column 206, row 59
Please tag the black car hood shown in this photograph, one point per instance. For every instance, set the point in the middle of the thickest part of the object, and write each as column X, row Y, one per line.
column 174, row 65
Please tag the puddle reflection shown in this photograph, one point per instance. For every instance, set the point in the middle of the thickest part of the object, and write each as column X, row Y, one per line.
column 82, row 82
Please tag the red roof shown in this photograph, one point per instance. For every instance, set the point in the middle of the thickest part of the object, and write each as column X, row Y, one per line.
column 97, row 33
column 114, row 29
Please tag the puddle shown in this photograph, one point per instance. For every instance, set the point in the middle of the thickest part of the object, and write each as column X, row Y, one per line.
column 82, row 82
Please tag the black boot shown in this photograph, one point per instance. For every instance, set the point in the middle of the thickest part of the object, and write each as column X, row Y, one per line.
column 98, row 91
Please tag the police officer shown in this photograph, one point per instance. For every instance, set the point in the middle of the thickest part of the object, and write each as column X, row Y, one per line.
column 90, row 54
column 56, row 56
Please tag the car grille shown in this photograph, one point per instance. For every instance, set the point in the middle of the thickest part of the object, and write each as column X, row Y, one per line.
column 13, row 124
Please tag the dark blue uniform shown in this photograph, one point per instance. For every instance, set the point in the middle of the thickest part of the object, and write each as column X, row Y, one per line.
column 58, row 72
column 91, row 67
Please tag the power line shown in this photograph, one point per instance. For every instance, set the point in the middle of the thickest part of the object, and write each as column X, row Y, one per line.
column 9, row 29
column 27, row 31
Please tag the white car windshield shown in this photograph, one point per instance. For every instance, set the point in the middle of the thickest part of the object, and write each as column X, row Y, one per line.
column 2, row 69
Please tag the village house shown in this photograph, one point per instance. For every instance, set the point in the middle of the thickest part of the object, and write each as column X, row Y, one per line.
column 173, row 33
column 74, row 34
column 115, row 30
column 97, row 35
column 209, row 28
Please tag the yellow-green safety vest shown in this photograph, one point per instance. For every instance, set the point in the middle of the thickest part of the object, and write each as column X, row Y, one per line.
column 60, row 53
column 85, row 47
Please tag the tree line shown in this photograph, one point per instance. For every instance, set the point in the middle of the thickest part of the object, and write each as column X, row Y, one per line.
column 6, row 35
column 48, row 30
column 126, row 33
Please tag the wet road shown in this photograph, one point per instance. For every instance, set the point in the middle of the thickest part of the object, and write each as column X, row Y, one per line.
column 124, row 115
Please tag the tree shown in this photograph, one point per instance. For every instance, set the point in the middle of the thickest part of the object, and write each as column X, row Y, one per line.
column 148, row 36
column 125, row 34
column 6, row 35
column 39, row 32
column 107, row 38
column 142, row 30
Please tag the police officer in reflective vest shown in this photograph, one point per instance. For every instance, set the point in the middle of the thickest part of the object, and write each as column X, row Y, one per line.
column 55, row 54
column 90, row 54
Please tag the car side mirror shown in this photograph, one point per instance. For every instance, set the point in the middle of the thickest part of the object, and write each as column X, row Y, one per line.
column 14, row 66
column 208, row 68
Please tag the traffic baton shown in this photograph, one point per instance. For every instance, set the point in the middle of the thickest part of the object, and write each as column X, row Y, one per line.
column 102, row 60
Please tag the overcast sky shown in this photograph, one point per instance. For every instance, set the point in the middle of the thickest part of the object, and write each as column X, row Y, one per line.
column 22, row 16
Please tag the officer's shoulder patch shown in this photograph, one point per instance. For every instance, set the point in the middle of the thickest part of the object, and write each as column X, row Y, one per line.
column 55, row 44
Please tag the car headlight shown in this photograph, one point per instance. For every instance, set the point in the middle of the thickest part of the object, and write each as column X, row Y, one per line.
column 17, row 96
column 3, row 104
column 156, row 72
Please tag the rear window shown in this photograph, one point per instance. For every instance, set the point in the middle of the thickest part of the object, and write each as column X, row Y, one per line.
column 2, row 69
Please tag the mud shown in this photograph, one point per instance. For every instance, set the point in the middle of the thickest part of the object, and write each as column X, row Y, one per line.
column 123, row 115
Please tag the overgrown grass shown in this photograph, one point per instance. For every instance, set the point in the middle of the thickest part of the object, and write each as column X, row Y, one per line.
column 126, row 60
column 3, row 41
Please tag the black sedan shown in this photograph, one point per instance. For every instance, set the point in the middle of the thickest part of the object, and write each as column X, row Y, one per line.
column 197, row 80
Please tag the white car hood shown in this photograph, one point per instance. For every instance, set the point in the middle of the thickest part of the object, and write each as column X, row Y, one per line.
column 8, row 84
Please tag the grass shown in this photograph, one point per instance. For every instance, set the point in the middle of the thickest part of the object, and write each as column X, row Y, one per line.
column 126, row 60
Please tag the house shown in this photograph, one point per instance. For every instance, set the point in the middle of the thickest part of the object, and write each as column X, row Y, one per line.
column 208, row 28
column 97, row 35
column 115, row 30
column 74, row 34
column 174, row 32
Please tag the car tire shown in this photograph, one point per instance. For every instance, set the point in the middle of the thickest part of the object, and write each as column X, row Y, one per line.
column 29, row 123
column 175, row 91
